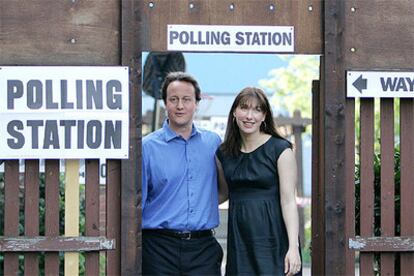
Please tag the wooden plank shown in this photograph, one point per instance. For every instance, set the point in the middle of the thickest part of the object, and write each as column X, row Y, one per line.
column 52, row 212
column 55, row 244
column 92, row 212
column 305, row 16
column 407, row 176
column 350, row 183
column 11, row 212
column 379, row 31
column 318, row 222
column 387, row 181
column 31, row 212
column 72, row 213
column 131, row 172
column 382, row 244
column 297, row 134
column 367, row 180
column 50, row 32
column 334, row 138
column 113, row 215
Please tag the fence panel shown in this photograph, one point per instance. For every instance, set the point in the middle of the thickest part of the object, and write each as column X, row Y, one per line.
column 92, row 212
column 11, row 212
column 113, row 215
column 31, row 212
column 22, row 253
column 52, row 213
column 386, row 208
column 350, row 182
column 407, row 177
column 367, row 180
column 387, row 181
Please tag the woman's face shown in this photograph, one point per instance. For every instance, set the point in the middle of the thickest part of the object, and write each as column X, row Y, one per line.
column 249, row 116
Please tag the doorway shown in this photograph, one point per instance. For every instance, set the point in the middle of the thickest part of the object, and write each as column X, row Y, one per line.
column 287, row 82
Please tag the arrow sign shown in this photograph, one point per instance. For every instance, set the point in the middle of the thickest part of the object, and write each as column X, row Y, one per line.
column 360, row 84
column 380, row 84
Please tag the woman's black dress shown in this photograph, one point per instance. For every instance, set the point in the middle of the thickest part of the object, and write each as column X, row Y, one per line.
column 257, row 240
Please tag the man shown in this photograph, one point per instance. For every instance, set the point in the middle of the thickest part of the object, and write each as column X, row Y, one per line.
column 179, row 188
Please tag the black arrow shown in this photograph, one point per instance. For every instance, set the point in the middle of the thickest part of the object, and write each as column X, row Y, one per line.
column 360, row 84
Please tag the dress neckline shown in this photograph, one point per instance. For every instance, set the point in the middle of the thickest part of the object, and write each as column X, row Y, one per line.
column 265, row 142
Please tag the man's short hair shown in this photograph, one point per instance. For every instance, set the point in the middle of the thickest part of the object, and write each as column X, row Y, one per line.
column 180, row 76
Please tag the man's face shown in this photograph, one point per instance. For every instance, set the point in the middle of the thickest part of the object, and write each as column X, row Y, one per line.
column 181, row 104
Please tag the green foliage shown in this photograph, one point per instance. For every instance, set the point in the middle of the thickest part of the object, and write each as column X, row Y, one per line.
column 292, row 85
column 306, row 248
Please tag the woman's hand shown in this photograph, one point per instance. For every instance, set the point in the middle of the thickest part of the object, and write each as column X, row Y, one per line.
column 292, row 261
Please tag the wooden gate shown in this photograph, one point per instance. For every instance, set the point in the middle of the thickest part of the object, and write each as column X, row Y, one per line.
column 367, row 35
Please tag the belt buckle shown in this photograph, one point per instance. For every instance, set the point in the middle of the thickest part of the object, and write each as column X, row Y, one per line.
column 186, row 235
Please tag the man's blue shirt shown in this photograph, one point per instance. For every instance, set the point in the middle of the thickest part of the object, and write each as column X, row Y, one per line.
column 179, row 180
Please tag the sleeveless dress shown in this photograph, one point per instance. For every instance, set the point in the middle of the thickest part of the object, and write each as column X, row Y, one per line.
column 257, row 241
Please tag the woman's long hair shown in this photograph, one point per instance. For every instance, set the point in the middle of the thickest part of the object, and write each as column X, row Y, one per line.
column 232, row 139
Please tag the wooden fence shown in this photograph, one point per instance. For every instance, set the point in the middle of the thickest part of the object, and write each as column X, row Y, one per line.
column 24, row 196
column 73, row 33
column 386, row 209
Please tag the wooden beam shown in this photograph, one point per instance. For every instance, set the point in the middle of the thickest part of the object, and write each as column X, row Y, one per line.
column 334, row 138
column 55, row 244
column 305, row 16
column 382, row 244
column 131, row 43
column 50, row 32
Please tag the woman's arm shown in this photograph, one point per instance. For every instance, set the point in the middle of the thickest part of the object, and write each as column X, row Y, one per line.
column 222, row 184
column 287, row 170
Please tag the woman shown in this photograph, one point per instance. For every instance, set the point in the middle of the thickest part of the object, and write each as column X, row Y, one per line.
column 257, row 171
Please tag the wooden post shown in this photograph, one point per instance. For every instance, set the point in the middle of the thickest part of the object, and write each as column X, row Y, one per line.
column 72, row 214
column 334, row 137
column 92, row 212
column 387, row 181
column 52, row 212
column 11, row 213
column 407, row 176
column 297, row 133
column 31, row 212
column 132, row 27
column 318, row 195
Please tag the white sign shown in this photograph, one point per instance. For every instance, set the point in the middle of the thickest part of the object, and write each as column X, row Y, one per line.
column 224, row 38
column 380, row 84
column 64, row 112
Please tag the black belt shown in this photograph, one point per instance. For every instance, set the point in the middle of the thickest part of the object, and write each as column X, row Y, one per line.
column 183, row 235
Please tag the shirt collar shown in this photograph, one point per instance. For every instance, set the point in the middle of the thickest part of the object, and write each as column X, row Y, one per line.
column 170, row 134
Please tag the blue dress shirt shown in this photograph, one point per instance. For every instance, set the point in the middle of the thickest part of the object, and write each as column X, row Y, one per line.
column 179, row 180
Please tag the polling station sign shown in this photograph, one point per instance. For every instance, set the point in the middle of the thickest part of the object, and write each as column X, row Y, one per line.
column 64, row 112
column 226, row 38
